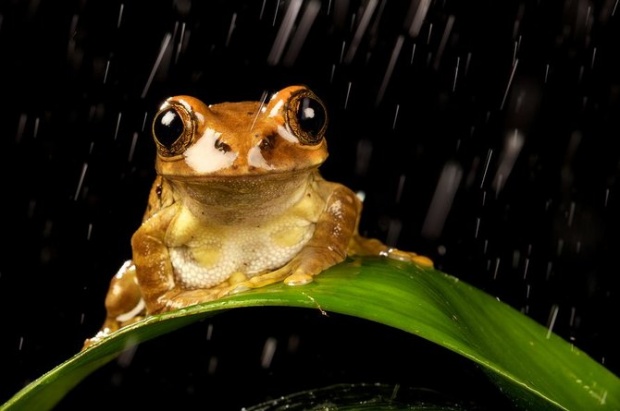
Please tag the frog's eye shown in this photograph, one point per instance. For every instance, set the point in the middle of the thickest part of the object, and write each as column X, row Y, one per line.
column 172, row 130
column 307, row 117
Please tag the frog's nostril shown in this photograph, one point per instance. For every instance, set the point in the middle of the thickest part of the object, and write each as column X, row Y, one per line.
column 221, row 146
column 267, row 143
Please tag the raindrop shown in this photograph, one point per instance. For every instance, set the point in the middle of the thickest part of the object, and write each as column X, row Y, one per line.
column 146, row 114
column 444, row 40
column 180, row 44
column 262, row 100
column 21, row 343
column 486, row 167
column 418, row 17
column 269, row 350
column 390, row 69
column 552, row 317
column 82, row 318
column 512, row 75
column 549, row 268
column 209, row 332
column 346, row 100
column 231, row 28
column 160, row 56
column 467, row 63
column 456, row 74
column 560, row 246
column 477, row 227
column 105, row 73
column 342, row 49
column 134, row 140
column 516, row 256
column 394, row 228
column 293, row 343
column 31, row 207
column 510, row 152
column 361, row 29
column 275, row 13
column 441, row 202
column 364, row 151
column 401, row 186
column 21, row 125
column 90, row 231
column 412, row 53
column 80, row 181
column 212, row 365
column 286, row 26
column 262, row 10
column 331, row 76
column 497, row 261
column 126, row 357
column 527, row 266
column 307, row 19
column 395, row 116
column 120, row 15
column 571, row 213
column 593, row 57
column 428, row 40
column 118, row 124
column 571, row 321
column 606, row 198
column 546, row 73
column 36, row 127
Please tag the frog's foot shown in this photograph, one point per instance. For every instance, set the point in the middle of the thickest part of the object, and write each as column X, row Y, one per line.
column 369, row 246
column 408, row 256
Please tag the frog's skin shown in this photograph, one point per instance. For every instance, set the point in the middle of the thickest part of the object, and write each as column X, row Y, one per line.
column 238, row 203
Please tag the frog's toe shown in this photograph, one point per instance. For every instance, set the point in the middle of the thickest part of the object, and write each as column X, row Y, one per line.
column 298, row 279
column 408, row 256
column 239, row 288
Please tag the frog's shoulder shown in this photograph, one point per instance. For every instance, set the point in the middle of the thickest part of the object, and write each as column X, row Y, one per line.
column 161, row 196
column 327, row 188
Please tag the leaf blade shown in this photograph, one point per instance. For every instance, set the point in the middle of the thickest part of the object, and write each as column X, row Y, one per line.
column 536, row 366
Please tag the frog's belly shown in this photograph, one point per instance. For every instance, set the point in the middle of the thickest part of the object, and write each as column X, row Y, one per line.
column 214, row 259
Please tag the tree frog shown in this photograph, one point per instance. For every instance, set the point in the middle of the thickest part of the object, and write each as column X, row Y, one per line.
column 238, row 203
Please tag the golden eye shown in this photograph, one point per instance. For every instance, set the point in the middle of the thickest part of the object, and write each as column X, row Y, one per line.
column 307, row 117
column 172, row 130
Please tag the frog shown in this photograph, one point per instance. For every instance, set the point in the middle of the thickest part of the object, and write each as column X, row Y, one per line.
column 237, row 203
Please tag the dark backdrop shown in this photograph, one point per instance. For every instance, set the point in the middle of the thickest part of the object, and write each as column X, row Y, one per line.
column 518, row 101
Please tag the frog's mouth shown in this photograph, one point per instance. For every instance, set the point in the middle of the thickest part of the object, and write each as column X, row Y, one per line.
column 243, row 197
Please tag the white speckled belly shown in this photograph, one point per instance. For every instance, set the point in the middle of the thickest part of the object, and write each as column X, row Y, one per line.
column 223, row 252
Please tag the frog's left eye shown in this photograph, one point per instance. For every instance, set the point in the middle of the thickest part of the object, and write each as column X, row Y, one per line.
column 307, row 117
column 172, row 130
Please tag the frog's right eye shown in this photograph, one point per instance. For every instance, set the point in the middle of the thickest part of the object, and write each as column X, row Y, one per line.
column 172, row 130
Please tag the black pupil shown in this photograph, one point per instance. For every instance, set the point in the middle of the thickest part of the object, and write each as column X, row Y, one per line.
column 311, row 116
column 168, row 127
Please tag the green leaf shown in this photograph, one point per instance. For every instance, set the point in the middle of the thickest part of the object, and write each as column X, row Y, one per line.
column 536, row 367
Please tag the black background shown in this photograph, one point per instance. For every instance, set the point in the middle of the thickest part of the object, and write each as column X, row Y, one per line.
column 546, row 240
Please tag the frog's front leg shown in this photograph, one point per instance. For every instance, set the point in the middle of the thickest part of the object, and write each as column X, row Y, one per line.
column 151, row 257
column 123, row 303
column 327, row 247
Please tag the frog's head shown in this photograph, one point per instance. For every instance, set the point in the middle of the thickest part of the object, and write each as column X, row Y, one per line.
column 281, row 137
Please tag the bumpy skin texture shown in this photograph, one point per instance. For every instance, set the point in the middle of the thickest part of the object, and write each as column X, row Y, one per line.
column 238, row 203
